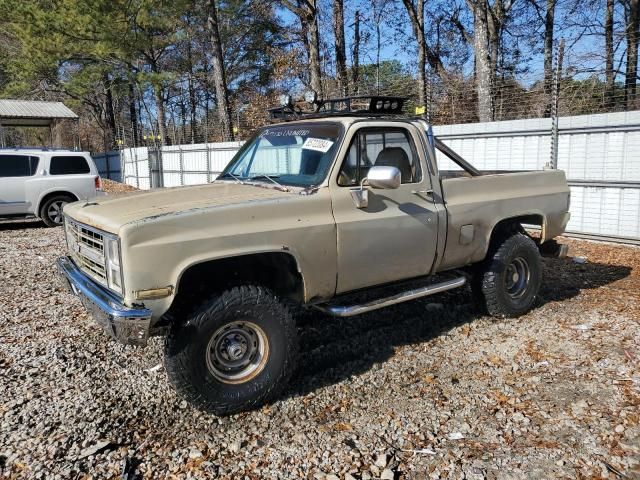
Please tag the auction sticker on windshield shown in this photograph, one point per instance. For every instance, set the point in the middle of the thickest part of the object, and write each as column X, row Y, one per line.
column 317, row 144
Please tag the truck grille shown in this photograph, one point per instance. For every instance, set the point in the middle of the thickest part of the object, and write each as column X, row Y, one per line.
column 86, row 247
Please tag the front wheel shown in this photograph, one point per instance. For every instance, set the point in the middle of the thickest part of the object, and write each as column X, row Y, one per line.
column 509, row 280
column 235, row 353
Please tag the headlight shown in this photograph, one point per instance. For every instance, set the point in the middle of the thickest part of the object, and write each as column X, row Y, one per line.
column 112, row 259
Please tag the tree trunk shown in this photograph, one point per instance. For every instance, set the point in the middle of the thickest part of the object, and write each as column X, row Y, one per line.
column 548, row 54
column 483, row 61
column 608, row 41
column 183, row 114
column 207, row 95
column 315, row 74
column 219, row 78
column 355, row 73
column 194, row 109
column 162, row 125
column 416, row 15
column 133, row 114
column 631, row 33
column 192, row 94
column 378, row 49
column 111, row 118
column 422, row 74
column 341, row 55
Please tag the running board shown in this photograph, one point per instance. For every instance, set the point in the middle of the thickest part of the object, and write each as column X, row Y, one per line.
column 351, row 310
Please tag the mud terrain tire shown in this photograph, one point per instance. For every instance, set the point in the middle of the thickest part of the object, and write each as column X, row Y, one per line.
column 509, row 280
column 235, row 353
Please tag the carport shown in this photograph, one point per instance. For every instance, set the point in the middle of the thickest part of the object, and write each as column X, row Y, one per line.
column 29, row 113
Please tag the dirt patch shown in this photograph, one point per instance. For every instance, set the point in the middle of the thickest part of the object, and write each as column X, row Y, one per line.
column 110, row 186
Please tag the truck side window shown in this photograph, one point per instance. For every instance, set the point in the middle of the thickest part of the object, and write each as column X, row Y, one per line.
column 68, row 165
column 389, row 147
column 18, row 165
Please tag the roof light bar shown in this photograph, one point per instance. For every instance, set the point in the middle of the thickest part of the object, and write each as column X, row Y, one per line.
column 361, row 105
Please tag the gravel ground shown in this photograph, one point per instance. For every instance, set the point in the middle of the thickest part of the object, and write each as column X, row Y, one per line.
column 428, row 389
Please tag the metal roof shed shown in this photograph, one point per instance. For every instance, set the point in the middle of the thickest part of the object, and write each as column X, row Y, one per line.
column 29, row 113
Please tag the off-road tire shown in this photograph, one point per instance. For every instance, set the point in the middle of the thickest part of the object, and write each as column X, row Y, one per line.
column 491, row 285
column 187, row 353
column 45, row 210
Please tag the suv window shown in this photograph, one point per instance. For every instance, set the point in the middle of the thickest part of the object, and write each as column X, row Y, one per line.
column 68, row 165
column 18, row 165
column 390, row 147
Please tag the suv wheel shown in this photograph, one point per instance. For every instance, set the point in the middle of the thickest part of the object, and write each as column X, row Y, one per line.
column 509, row 280
column 235, row 353
column 51, row 211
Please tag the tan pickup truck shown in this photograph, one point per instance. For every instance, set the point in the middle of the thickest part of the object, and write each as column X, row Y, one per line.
column 312, row 213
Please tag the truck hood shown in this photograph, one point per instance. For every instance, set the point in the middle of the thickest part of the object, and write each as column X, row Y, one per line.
column 111, row 212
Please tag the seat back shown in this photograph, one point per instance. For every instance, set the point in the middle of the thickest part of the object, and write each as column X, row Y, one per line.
column 396, row 157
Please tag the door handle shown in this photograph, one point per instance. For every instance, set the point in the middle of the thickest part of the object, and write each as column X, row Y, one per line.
column 427, row 192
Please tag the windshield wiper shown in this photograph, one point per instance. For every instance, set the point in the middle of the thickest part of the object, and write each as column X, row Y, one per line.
column 271, row 178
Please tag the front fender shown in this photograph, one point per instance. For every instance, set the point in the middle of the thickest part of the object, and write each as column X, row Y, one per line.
column 157, row 251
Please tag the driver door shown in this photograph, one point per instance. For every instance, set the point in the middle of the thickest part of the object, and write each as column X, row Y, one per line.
column 395, row 236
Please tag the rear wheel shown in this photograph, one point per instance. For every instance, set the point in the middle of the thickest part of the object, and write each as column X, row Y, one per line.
column 235, row 353
column 51, row 211
column 509, row 280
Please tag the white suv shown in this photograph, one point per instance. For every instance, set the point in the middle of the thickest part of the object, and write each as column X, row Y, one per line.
column 42, row 182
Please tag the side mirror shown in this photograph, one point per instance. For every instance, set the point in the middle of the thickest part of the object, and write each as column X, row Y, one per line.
column 386, row 178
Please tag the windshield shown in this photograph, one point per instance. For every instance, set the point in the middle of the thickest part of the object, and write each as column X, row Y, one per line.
column 298, row 155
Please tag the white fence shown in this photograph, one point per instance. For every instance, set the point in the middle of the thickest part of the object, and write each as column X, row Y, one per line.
column 599, row 153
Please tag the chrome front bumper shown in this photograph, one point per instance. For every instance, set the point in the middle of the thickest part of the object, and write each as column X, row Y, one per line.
column 127, row 325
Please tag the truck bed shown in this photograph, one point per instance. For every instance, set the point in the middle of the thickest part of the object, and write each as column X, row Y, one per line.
column 475, row 204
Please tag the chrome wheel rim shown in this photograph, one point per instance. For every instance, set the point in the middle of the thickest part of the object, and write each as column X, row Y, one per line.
column 54, row 212
column 237, row 352
column 517, row 277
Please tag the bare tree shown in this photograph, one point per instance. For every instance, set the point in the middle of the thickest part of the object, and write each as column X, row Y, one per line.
column 109, row 113
column 488, row 25
column 547, row 18
column 355, row 69
column 133, row 114
column 415, row 10
column 608, row 41
column 632, row 18
column 341, row 55
column 307, row 13
column 482, row 58
column 219, row 78
column 548, row 53
column 378, row 8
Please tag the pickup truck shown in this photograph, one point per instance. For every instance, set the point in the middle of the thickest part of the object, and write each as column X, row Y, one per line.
column 345, row 213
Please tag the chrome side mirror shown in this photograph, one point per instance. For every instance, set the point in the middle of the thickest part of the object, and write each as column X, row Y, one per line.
column 386, row 178
column 379, row 177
